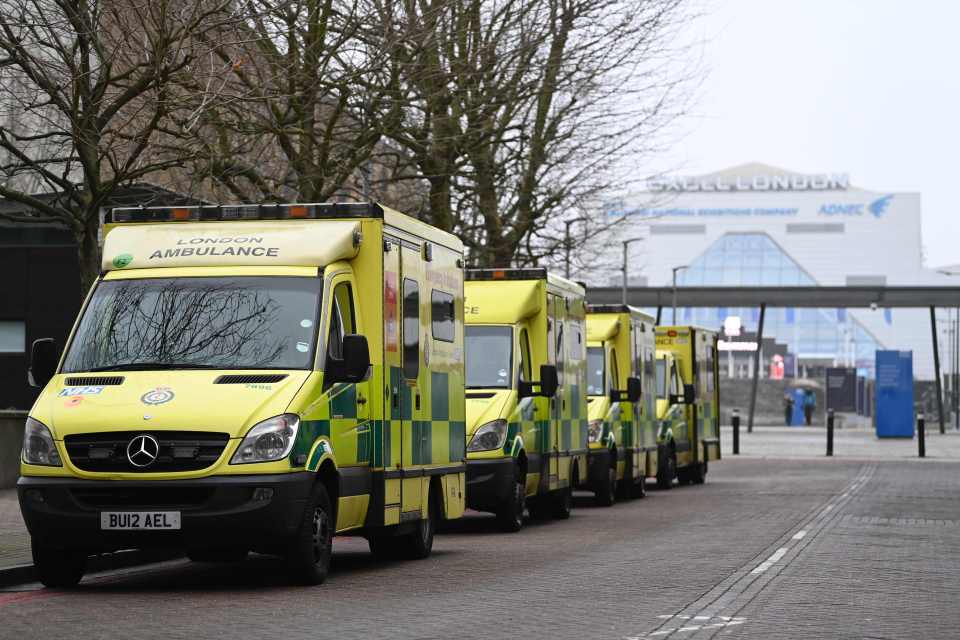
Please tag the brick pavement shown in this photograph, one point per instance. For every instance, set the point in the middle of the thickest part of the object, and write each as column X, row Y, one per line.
column 14, row 540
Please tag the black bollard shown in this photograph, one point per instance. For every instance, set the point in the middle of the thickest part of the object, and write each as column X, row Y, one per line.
column 921, row 436
column 830, row 432
column 736, row 432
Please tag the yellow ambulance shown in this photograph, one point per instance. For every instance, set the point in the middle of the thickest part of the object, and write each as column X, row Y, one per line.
column 622, row 430
column 526, row 393
column 256, row 377
column 688, row 404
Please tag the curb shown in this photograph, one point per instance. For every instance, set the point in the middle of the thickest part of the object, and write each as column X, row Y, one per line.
column 26, row 573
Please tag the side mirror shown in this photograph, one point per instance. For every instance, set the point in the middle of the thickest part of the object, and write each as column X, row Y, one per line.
column 689, row 394
column 549, row 382
column 355, row 365
column 43, row 362
column 634, row 390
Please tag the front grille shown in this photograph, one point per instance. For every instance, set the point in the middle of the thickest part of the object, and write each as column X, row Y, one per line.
column 251, row 378
column 142, row 497
column 177, row 451
column 93, row 381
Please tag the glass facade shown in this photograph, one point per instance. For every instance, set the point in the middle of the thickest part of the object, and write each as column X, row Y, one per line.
column 754, row 259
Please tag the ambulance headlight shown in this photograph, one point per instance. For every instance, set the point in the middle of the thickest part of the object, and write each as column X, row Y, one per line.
column 595, row 431
column 269, row 440
column 489, row 436
column 38, row 445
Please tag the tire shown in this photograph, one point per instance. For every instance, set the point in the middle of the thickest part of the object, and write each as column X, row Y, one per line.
column 561, row 503
column 640, row 488
column 606, row 491
column 59, row 568
column 308, row 558
column 384, row 547
column 698, row 474
column 666, row 470
column 510, row 515
column 419, row 544
column 540, row 508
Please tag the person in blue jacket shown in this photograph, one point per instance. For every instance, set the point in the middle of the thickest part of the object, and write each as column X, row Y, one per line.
column 809, row 404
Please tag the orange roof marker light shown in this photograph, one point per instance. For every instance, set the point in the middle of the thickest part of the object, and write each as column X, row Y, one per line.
column 180, row 214
column 298, row 211
column 671, row 333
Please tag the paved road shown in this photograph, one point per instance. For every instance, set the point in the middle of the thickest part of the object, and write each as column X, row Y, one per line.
column 767, row 548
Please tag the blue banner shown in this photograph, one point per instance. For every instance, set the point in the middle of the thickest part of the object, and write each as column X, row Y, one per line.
column 894, row 394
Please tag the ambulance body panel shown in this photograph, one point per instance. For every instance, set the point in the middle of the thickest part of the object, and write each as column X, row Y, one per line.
column 688, row 402
column 622, row 432
column 526, row 447
column 212, row 322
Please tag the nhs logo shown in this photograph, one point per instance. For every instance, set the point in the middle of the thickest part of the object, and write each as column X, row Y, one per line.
column 876, row 208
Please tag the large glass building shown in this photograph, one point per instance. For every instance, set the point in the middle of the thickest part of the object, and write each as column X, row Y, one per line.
column 763, row 226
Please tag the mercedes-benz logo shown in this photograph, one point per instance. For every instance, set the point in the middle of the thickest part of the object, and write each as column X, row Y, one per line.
column 143, row 450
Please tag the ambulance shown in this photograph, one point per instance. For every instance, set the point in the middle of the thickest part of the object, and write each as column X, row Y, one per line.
column 526, row 393
column 622, row 428
column 252, row 378
column 688, row 404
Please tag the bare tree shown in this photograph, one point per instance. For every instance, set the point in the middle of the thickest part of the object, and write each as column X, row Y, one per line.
column 87, row 95
column 520, row 111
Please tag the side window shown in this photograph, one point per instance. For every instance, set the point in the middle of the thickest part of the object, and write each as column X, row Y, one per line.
column 614, row 373
column 411, row 329
column 442, row 315
column 525, row 373
column 341, row 319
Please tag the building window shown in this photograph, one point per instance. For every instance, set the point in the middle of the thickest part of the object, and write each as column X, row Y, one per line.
column 13, row 336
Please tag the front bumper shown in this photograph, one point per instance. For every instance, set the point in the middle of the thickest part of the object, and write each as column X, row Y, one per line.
column 215, row 512
column 489, row 483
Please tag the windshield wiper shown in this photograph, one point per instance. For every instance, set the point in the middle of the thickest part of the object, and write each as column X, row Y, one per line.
column 152, row 366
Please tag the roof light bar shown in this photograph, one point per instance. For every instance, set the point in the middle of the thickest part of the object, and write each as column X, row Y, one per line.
column 214, row 213
column 505, row 274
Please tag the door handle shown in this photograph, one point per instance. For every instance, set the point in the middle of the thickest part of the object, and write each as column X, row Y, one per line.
column 361, row 399
column 417, row 401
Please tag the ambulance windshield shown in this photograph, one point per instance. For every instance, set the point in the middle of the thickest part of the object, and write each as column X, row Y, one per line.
column 249, row 322
column 595, row 368
column 489, row 351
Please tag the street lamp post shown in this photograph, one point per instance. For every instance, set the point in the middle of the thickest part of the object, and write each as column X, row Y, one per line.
column 626, row 243
column 566, row 241
column 675, row 269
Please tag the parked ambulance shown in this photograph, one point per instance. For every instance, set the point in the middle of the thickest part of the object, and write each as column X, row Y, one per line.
column 252, row 378
column 526, row 393
column 688, row 404
column 622, row 431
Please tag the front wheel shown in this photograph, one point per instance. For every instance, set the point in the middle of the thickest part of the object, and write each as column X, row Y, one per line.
column 666, row 470
column 59, row 568
column 606, row 490
column 419, row 544
column 562, row 503
column 510, row 515
column 698, row 474
column 308, row 559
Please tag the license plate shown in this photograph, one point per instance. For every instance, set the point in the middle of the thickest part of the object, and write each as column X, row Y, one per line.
column 139, row 520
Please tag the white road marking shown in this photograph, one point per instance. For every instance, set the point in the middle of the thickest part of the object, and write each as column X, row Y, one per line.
column 799, row 534
column 844, row 495
column 726, row 621
column 828, row 507
column 769, row 562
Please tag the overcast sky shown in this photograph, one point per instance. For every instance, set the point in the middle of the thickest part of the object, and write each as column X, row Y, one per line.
column 864, row 87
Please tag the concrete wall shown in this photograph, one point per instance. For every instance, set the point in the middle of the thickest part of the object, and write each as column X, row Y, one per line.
column 11, row 442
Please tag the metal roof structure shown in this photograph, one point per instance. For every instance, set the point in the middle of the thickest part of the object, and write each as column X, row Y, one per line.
column 844, row 297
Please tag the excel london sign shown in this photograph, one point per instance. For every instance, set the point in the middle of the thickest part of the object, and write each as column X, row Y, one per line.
column 759, row 182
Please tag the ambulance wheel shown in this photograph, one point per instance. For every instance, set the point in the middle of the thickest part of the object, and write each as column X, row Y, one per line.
column 626, row 488
column 606, row 491
column 666, row 470
column 384, row 547
column 562, row 503
column 419, row 544
column 510, row 515
column 698, row 474
column 59, row 568
column 308, row 559
column 540, row 508
column 640, row 488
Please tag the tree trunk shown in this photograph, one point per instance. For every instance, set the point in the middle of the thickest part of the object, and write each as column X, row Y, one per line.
column 88, row 254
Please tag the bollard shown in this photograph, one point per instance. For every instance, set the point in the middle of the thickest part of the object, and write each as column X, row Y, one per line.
column 830, row 432
column 736, row 432
column 921, row 436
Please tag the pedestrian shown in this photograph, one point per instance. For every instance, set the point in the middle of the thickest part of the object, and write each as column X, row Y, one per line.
column 787, row 408
column 809, row 404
